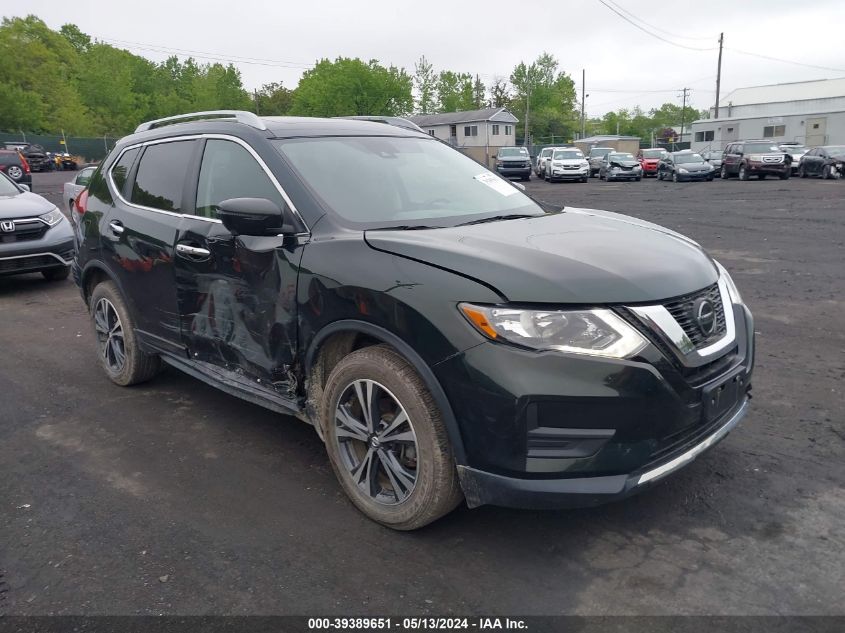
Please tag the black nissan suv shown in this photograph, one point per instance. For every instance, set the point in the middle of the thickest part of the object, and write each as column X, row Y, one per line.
column 447, row 336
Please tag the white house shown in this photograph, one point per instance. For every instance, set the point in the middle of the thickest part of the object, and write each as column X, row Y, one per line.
column 477, row 133
column 809, row 112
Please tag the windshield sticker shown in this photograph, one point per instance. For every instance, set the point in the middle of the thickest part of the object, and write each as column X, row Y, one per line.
column 496, row 184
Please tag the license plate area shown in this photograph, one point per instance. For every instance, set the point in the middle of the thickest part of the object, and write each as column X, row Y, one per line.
column 723, row 396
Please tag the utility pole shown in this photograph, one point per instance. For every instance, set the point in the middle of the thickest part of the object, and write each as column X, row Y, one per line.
column 583, row 97
column 719, row 73
column 684, row 111
column 255, row 98
column 527, row 107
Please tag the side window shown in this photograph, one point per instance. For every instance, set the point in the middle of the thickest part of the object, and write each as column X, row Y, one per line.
column 229, row 171
column 161, row 175
column 120, row 170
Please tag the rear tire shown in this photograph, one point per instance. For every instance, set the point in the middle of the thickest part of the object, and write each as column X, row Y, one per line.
column 56, row 274
column 117, row 343
column 406, row 490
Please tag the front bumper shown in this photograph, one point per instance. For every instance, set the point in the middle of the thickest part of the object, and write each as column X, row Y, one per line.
column 705, row 175
column 545, row 429
column 514, row 172
column 559, row 173
column 769, row 169
column 482, row 488
column 623, row 175
column 55, row 249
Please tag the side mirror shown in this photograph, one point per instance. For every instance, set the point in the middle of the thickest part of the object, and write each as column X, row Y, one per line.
column 24, row 187
column 254, row 216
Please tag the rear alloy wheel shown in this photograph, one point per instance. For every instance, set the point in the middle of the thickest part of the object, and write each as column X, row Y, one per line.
column 117, row 344
column 15, row 172
column 387, row 441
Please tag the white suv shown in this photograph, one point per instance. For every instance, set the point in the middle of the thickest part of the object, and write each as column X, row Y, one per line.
column 566, row 163
column 540, row 164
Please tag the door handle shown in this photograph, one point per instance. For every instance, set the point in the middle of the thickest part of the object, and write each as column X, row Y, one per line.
column 192, row 251
column 116, row 227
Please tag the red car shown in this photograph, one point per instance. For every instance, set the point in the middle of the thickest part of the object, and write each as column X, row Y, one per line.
column 650, row 159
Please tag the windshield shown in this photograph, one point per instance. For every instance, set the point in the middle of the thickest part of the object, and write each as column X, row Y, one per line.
column 567, row 153
column 653, row 153
column 600, row 151
column 513, row 151
column 382, row 182
column 688, row 158
column 620, row 156
column 757, row 148
column 7, row 187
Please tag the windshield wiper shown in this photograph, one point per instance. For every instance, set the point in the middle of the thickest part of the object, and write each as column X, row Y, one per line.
column 406, row 227
column 496, row 218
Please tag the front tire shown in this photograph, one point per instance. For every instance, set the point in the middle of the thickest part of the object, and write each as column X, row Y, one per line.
column 386, row 440
column 827, row 173
column 675, row 176
column 743, row 173
column 117, row 343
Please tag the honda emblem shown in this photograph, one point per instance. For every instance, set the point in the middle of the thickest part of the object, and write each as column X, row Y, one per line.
column 7, row 226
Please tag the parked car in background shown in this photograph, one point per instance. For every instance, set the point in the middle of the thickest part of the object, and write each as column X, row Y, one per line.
column 35, row 236
column 685, row 165
column 72, row 189
column 447, row 336
column 714, row 157
column 36, row 156
column 650, row 160
column 827, row 161
column 795, row 151
column 759, row 158
column 620, row 166
column 540, row 164
column 68, row 162
column 14, row 165
column 567, row 163
column 514, row 162
column 595, row 158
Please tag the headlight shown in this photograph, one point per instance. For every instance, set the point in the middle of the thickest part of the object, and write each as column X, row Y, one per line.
column 681, row 170
column 593, row 332
column 52, row 218
column 732, row 289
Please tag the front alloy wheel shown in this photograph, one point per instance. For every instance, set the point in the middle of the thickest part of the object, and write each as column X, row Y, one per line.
column 387, row 441
column 376, row 442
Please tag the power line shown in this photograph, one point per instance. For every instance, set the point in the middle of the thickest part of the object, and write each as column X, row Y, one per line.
column 208, row 55
column 657, row 28
column 655, row 35
column 785, row 61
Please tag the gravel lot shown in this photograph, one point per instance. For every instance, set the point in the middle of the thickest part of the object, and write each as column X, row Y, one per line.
column 175, row 498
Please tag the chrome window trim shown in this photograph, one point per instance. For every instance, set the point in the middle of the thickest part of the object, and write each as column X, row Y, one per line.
column 661, row 321
column 193, row 137
column 58, row 257
column 684, row 458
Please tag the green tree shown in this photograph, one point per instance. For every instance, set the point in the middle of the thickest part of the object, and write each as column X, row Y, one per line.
column 425, row 82
column 500, row 96
column 274, row 99
column 353, row 87
column 79, row 40
column 479, row 94
column 454, row 91
column 547, row 94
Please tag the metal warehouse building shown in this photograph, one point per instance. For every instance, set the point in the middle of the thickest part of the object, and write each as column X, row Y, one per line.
column 809, row 112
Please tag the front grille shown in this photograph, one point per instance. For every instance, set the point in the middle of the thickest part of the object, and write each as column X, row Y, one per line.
column 25, row 231
column 772, row 159
column 27, row 263
column 682, row 309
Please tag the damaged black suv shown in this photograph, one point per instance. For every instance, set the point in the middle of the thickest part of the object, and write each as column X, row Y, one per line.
column 448, row 336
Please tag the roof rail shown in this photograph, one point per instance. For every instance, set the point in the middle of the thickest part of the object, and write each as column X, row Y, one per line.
column 389, row 120
column 241, row 116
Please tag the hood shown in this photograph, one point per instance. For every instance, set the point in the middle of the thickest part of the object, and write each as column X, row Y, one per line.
column 625, row 163
column 24, row 205
column 694, row 166
column 580, row 256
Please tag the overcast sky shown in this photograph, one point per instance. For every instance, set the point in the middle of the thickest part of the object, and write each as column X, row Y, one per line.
column 625, row 66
